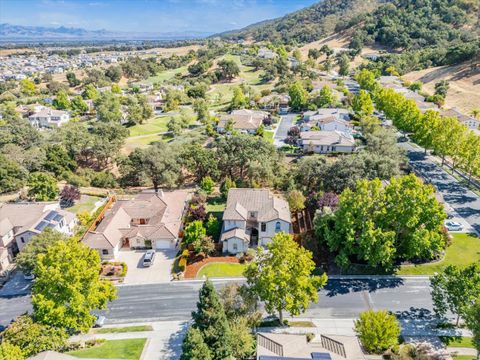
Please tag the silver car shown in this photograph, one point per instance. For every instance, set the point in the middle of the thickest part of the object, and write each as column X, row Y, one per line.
column 453, row 226
column 149, row 258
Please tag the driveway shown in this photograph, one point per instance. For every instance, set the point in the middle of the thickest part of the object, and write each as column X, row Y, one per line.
column 159, row 272
column 286, row 122
column 16, row 286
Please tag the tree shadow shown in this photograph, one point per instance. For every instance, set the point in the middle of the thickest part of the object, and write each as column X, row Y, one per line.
column 344, row 286
column 173, row 348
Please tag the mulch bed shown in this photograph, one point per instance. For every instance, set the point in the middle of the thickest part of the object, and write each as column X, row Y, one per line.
column 192, row 269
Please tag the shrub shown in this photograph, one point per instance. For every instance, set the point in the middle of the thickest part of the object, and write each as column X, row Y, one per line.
column 378, row 330
column 103, row 180
column 76, row 180
column 207, row 184
column 185, row 253
column 182, row 264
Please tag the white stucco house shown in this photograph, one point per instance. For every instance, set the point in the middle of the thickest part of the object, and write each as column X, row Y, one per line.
column 324, row 142
column 251, row 218
column 49, row 118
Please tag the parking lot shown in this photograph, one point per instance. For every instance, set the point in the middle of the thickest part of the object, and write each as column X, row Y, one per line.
column 159, row 272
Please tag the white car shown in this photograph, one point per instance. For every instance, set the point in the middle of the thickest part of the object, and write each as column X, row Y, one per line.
column 453, row 226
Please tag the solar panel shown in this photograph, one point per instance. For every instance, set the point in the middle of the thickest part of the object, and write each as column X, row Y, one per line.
column 321, row 356
column 50, row 215
column 41, row 225
column 58, row 217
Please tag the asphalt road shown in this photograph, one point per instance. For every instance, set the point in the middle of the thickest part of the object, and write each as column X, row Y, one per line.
column 463, row 201
column 286, row 122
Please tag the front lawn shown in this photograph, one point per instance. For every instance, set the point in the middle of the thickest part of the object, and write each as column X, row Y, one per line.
column 269, row 136
column 128, row 349
column 215, row 270
column 465, row 249
column 457, row 341
column 125, row 329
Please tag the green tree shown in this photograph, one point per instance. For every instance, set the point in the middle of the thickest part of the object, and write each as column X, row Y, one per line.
column 213, row 226
column 193, row 232
column 68, row 286
column 282, row 276
column 72, row 79
column 238, row 100
column 90, row 92
column 325, row 98
column 116, row 89
column 199, row 161
column 298, row 96
column 10, row 352
column 27, row 87
column 38, row 244
column 12, row 175
column 42, row 186
column 114, row 73
column 228, row 69
column 200, row 106
column 454, row 289
column 194, row 347
column 212, row 322
column 243, row 343
column 473, row 323
column 377, row 330
column 57, row 160
column 107, row 106
column 343, row 63
column 226, row 186
column 366, row 79
column 296, row 201
column 78, row 105
column 61, row 101
column 362, row 104
column 207, row 184
column 33, row 337
column 441, row 88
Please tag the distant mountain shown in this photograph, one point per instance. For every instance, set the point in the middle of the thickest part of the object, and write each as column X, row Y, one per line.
column 10, row 32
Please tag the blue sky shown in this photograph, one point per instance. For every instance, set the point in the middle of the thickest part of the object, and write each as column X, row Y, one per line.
column 146, row 15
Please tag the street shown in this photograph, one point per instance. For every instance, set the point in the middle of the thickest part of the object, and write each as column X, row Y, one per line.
column 463, row 201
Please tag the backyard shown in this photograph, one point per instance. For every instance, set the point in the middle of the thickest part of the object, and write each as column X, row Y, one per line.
column 154, row 125
column 128, row 349
column 464, row 250
column 86, row 203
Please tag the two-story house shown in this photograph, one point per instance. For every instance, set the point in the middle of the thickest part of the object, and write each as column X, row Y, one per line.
column 49, row 118
column 251, row 218
column 21, row 221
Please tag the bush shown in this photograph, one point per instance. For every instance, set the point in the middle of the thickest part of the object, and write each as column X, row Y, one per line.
column 378, row 330
column 207, row 184
column 186, row 253
column 182, row 264
column 76, row 180
column 103, row 180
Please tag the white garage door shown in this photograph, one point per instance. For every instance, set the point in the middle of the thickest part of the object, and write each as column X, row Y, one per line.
column 162, row 244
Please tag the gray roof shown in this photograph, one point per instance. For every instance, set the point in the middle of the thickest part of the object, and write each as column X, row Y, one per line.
column 268, row 206
column 328, row 138
column 237, row 232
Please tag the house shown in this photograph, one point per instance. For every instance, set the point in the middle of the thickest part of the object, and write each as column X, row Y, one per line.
column 265, row 53
column 275, row 102
column 252, row 217
column 272, row 346
column 332, row 123
column 49, row 118
column 469, row 121
column 150, row 220
column 329, row 119
column 19, row 222
column 324, row 142
column 243, row 120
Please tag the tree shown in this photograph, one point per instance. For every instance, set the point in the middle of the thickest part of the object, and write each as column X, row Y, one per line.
column 238, row 100
column 57, row 160
column 366, row 79
column 68, row 286
column 362, row 104
column 42, row 186
column 61, row 101
column 441, row 88
column 207, row 184
column 228, row 69
column 38, row 244
column 204, row 245
column 12, row 175
column 72, row 79
column 10, row 352
column 282, row 276
column 78, row 105
column 33, row 337
column 329, row 199
column 211, row 321
column 27, row 87
column 213, row 226
column 243, row 344
column 114, row 73
column 69, row 194
column 298, row 96
column 296, row 201
column 454, row 289
column 194, row 232
column 90, row 92
column 107, row 106
column 325, row 98
column 200, row 106
column 473, row 323
column 377, row 330
column 226, row 186
column 343, row 63
column 194, row 347
column 175, row 126
column 199, row 161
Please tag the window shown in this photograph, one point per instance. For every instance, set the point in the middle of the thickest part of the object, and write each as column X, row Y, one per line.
column 23, row 240
column 142, row 222
column 235, row 246
column 263, row 227
column 277, row 226
column 252, row 214
column 104, row 252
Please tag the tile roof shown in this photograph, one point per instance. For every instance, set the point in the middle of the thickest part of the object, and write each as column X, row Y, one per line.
column 328, row 138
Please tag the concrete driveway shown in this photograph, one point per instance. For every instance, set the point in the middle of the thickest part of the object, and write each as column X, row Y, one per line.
column 286, row 122
column 159, row 272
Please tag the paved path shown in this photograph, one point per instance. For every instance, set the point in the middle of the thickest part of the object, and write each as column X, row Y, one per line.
column 465, row 202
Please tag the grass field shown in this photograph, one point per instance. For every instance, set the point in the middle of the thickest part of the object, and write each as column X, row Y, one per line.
column 86, row 203
column 152, row 126
column 128, row 349
column 166, row 75
column 221, row 270
column 458, row 341
column 465, row 249
column 269, row 136
column 463, row 357
column 122, row 329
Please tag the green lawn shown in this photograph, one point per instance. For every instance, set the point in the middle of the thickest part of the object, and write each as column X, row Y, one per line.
column 269, row 136
column 457, row 341
column 221, row 270
column 463, row 357
column 465, row 249
column 129, row 349
column 215, row 204
column 86, row 203
column 152, row 126
column 123, row 329
column 166, row 75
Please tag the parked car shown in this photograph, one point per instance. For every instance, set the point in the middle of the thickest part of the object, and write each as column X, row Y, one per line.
column 100, row 321
column 28, row 276
column 149, row 258
column 453, row 226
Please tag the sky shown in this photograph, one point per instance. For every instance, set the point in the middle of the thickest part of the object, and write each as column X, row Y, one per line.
column 157, row 16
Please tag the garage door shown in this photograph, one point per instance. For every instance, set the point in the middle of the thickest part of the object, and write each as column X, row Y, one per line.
column 162, row 244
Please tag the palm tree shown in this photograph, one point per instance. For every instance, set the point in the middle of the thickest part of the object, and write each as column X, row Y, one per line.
column 475, row 113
